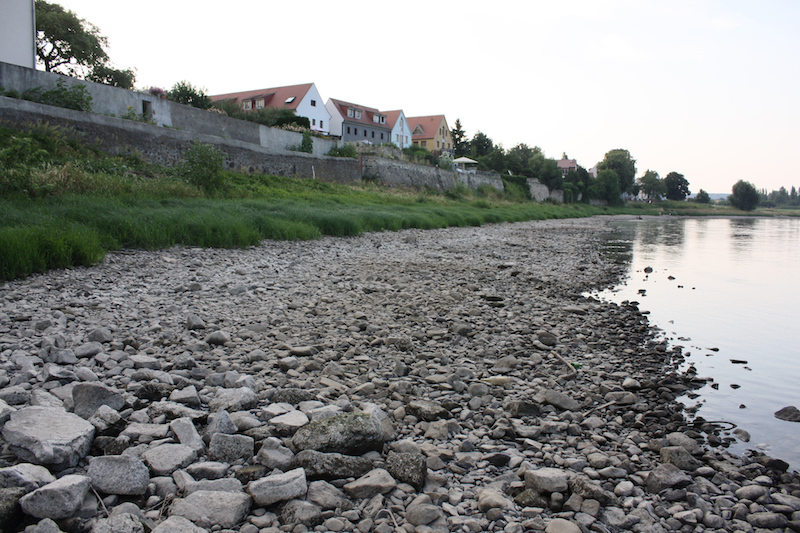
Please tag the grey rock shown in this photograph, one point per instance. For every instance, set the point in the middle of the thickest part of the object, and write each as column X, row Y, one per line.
column 489, row 498
column 10, row 511
column 561, row 525
column 301, row 512
column 547, row 480
column 273, row 454
column 227, row 484
column 26, row 476
column 349, row 433
column 678, row 456
column 420, row 514
column 591, row 492
column 408, row 468
column 48, row 436
column 119, row 523
column 427, row 410
column 88, row 349
column 177, row 524
column 119, row 474
column 621, row 397
column 751, row 492
column 187, row 434
column 688, row 443
column 239, row 399
column 327, row 497
column 209, row 508
column 100, row 335
column 44, row 525
column 278, row 487
column 167, row 458
column 560, row 400
column 767, row 520
column 5, row 412
column 87, row 397
column 60, row 499
column 319, row 465
column 195, row 322
column 231, row 448
column 666, row 476
column 187, row 395
column 217, row 338
column 789, row 413
column 377, row 481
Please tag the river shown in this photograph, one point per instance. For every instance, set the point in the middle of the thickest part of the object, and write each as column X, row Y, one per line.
column 727, row 290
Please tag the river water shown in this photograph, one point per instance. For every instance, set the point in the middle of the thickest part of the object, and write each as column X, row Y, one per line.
column 725, row 289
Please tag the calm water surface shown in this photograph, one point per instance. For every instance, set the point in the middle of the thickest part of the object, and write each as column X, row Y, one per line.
column 731, row 284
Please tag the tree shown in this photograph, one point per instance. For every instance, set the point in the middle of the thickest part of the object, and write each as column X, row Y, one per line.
column 69, row 45
column 606, row 187
column 677, row 186
column 481, row 145
column 579, row 181
column 621, row 162
column 184, row 92
column 745, row 196
column 652, row 185
column 702, row 197
column 460, row 142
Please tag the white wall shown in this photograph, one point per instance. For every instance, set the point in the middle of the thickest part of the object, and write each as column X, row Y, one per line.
column 402, row 130
column 17, row 33
column 336, row 119
column 316, row 114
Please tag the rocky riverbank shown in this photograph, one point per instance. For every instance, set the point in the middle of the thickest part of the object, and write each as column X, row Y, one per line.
column 448, row 380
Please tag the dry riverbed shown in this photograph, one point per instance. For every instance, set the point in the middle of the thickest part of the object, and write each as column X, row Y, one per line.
column 447, row 380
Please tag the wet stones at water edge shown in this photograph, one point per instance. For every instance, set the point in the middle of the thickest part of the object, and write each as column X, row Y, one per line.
column 789, row 413
column 418, row 385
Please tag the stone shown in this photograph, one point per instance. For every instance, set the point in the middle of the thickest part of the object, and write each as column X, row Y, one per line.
column 187, row 395
column 678, row 456
column 194, row 322
column 689, row 444
column 489, row 498
column 301, row 512
column 560, row 400
column 239, row 399
column 100, row 335
column 26, row 476
column 377, row 481
column 349, row 433
column 789, row 413
column 666, row 476
column 273, row 454
column 767, row 520
column 420, row 514
column 620, row 397
column 561, row 525
column 177, row 524
column 751, row 492
column 119, row 523
column 426, row 410
column 326, row 496
column 88, row 349
column 60, row 499
column 227, row 484
column 217, row 338
column 87, row 397
column 119, row 474
column 166, row 458
column 407, row 468
column 187, row 434
column 318, row 465
column 213, row 508
column 591, row 492
column 10, row 511
column 48, row 436
column 547, row 480
column 278, row 487
column 231, row 448
column 288, row 423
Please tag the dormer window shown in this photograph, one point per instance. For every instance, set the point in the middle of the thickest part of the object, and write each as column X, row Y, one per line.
column 383, row 119
column 358, row 113
column 351, row 112
column 289, row 100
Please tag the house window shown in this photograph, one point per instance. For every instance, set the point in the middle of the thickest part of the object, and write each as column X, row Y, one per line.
column 424, row 143
column 321, row 123
column 289, row 100
column 358, row 115
column 247, row 105
column 348, row 130
column 351, row 112
column 381, row 136
column 260, row 103
column 383, row 119
column 373, row 134
column 313, row 103
column 313, row 122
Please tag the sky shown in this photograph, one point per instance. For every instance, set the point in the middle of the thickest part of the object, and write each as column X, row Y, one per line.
column 707, row 88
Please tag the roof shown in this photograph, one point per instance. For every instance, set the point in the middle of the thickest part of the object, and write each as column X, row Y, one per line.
column 366, row 114
column 273, row 97
column 429, row 126
column 465, row 160
column 392, row 116
column 567, row 163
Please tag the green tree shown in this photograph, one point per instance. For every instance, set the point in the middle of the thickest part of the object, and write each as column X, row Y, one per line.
column 702, row 197
column 184, row 92
column 606, row 187
column 579, row 181
column 460, row 141
column 745, row 196
column 481, row 145
column 652, row 185
column 203, row 167
column 677, row 186
column 69, row 45
column 621, row 162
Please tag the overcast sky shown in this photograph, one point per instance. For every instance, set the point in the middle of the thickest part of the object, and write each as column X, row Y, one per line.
column 705, row 88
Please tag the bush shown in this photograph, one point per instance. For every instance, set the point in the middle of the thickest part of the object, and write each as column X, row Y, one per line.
column 745, row 196
column 702, row 197
column 203, row 167
column 307, row 144
column 75, row 96
column 346, row 150
column 184, row 92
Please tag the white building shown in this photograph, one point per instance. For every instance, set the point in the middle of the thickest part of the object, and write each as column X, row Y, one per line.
column 18, row 33
column 401, row 132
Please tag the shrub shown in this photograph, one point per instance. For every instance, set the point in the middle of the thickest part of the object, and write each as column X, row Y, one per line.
column 184, row 92
column 346, row 150
column 307, row 144
column 75, row 96
column 702, row 197
column 203, row 167
column 745, row 196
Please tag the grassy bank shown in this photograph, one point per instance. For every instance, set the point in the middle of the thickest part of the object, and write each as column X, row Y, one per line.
column 64, row 204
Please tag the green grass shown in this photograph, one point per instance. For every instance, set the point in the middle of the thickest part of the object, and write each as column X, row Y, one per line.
column 63, row 204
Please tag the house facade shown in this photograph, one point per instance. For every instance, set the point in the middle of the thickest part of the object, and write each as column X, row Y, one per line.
column 401, row 132
column 303, row 99
column 358, row 123
column 566, row 165
column 18, row 33
column 431, row 132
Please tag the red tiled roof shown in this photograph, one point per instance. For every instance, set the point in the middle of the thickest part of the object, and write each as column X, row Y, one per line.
column 274, row 97
column 366, row 113
column 430, row 125
column 392, row 116
column 567, row 163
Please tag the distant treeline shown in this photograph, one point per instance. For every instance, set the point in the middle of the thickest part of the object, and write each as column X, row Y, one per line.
column 779, row 198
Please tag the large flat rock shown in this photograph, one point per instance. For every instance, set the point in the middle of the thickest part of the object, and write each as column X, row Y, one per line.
column 48, row 436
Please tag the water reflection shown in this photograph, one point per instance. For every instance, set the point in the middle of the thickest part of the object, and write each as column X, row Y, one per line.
column 730, row 284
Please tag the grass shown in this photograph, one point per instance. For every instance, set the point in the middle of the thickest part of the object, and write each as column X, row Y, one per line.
column 63, row 204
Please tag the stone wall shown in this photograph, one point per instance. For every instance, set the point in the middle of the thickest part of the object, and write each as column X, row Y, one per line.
column 400, row 173
column 474, row 180
column 539, row 191
column 167, row 146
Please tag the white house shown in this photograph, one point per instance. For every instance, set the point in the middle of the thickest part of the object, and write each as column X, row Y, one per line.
column 304, row 99
column 18, row 33
column 401, row 132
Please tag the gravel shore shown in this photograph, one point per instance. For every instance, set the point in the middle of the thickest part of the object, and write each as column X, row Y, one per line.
column 417, row 381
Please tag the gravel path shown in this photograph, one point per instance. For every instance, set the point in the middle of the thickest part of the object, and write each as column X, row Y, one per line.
column 445, row 380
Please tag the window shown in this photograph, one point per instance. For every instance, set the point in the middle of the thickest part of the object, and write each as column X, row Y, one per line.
column 358, row 114
column 289, row 100
column 313, row 122
column 348, row 129
column 381, row 136
column 424, row 143
column 247, row 105
column 260, row 103
column 373, row 134
column 321, row 124
column 351, row 112
column 383, row 119
column 313, row 103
